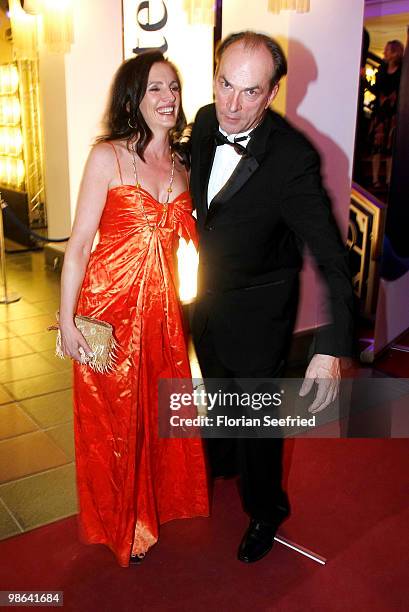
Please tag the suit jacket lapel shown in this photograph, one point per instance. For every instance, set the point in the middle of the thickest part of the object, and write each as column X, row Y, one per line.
column 241, row 174
column 246, row 166
column 207, row 151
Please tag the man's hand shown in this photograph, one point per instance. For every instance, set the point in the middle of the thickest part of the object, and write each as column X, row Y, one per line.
column 325, row 371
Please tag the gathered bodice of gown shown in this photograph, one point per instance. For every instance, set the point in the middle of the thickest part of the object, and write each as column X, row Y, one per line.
column 134, row 230
column 133, row 271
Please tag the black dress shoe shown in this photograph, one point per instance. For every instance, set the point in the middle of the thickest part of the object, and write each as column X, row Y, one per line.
column 257, row 541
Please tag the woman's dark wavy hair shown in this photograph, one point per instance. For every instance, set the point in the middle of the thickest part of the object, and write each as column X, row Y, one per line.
column 128, row 89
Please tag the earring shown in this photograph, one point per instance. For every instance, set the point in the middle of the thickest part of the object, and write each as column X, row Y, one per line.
column 133, row 127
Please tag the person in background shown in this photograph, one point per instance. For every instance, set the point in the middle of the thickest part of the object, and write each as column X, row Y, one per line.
column 383, row 121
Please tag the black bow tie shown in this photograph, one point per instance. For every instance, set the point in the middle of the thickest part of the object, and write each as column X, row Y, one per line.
column 221, row 139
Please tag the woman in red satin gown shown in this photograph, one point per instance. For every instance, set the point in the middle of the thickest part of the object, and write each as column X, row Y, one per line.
column 135, row 192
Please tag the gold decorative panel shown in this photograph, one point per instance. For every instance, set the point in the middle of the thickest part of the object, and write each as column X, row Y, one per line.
column 365, row 239
column 21, row 157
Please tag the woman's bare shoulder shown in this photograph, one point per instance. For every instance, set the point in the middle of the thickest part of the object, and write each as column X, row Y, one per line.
column 104, row 153
column 104, row 147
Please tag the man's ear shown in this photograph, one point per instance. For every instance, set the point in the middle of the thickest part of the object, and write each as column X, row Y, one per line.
column 272, row 95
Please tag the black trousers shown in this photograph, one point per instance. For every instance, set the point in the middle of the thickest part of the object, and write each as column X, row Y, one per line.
column 257, row 461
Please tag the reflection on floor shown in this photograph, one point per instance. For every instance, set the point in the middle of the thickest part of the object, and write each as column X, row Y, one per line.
column 37, row 477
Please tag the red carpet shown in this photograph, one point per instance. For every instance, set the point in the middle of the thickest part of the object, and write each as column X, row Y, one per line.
column 350, row 504
column 395, row 362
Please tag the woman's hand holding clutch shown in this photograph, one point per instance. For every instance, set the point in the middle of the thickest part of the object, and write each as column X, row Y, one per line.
column 73, row 343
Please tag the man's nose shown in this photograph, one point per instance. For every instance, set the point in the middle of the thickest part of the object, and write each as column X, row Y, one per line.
column 234, row 102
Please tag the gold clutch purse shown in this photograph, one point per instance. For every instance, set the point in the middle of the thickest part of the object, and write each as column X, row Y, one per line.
column 100, row 338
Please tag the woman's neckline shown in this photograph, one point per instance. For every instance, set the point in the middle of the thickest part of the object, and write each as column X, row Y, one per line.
column 186, row 191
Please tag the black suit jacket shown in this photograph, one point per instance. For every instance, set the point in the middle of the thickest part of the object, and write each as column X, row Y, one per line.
column 251, row 244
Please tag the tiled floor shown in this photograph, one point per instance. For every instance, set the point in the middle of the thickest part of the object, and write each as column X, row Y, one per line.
column 37, row 475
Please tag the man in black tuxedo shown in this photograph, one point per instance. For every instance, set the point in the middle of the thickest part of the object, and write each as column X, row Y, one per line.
column 256, row 186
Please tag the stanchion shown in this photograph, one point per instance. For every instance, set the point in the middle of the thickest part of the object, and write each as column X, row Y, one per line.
column 5, row 296
column 301, row 549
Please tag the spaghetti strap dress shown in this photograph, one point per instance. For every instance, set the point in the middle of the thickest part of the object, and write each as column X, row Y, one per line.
column 129, row 480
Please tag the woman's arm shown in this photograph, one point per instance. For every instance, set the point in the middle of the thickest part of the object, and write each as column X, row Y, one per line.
column 95, row 182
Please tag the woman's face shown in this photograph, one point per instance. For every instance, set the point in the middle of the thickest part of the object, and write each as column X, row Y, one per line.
column 390, row 54
column 161, row 102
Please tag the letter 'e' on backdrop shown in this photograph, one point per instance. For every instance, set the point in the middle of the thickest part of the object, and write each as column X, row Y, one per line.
column 163, row 25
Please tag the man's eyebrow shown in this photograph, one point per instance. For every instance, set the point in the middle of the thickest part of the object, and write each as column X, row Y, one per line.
column 246, row 89
column 224, row 79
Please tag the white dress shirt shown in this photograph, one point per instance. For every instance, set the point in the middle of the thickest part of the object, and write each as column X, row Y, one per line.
column 224, row 162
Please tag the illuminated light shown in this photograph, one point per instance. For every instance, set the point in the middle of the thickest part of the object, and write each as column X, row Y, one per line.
column 33, row 7
column 370, row 74
column 58, row 25
column 24, row 29
column 301, row 6
column 11, row 141
column 8, row 79
column 200, row 11
column 368, row 98
column 188, row 260
column 20, row 171
column 61, row 6
column 10, row 111
column 3, row 172
column 12, row 172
